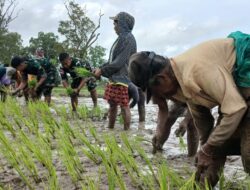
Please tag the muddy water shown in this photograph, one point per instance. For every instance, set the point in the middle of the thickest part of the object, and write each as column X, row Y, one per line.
column 175, row 156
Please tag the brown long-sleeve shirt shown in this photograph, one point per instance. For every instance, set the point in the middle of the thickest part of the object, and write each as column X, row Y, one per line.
column 205, row 77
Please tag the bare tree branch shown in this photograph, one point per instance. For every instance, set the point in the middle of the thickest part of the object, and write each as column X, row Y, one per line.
column 93, row 37
column 7, row 10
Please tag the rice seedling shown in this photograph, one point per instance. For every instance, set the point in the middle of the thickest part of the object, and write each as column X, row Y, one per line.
column 113, row 159
column 83, row 112
column 69, row 91
column 143, row 155
column 67, row 129
column 163, row 176
column 28, row 162
column 32, row 83
column 10, row 154
column 125, row 140
column 92, row 150
column 97, row 113
column 70, row 158
column 84, row 72
column 182, row 144
column 8, row 126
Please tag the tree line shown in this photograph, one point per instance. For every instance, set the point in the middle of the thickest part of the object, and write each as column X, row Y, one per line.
column 79, row 31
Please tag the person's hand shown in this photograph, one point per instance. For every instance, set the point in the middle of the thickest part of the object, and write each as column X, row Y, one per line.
column 97, row 73
column 180, row 131
column 76, row 90
column 14, row 92
column 157, row 145
column 209, row 164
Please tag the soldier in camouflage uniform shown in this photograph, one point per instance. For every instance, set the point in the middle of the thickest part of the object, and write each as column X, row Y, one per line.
column 68, row 66
column 45, row 72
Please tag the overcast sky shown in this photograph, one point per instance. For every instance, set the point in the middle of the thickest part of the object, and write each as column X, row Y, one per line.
column 167, row 27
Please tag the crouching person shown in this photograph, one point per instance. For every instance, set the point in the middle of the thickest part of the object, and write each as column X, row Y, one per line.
column 167, row 116
column 202, row 78
column 69, row 65
column 43, row 70
column 6, row 74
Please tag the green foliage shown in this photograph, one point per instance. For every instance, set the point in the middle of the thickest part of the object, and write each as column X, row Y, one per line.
column 10, row 45
column 49, row 42
column 79, row 30
column 32, row 83
column 96, row 55
column 84, row 72
column 182, row 144
column 69, row 91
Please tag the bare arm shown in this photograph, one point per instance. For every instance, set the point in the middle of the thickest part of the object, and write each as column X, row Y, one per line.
column 65, row 84
column 166, row 118
column 40, row 82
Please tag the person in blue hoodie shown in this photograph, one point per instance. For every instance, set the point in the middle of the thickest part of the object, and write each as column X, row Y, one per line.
column 116, row 69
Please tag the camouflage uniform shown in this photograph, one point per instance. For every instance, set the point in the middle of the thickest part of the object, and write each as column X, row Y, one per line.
column 76, row 80
column 42, row 68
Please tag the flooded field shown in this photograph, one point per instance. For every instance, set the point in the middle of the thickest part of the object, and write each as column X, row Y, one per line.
column 93, row 172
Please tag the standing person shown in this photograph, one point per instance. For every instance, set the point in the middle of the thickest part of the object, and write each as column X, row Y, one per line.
column 116, row 69
column 69, row 65
column 203, row 77
column 46, row 77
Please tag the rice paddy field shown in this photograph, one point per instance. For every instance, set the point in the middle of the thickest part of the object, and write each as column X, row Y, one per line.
column 51, row 148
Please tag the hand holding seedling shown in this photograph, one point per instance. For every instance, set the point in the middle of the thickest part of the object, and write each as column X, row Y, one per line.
column 97, row 73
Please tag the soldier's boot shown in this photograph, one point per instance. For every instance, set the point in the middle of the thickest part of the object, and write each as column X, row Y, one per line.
column 93, row 95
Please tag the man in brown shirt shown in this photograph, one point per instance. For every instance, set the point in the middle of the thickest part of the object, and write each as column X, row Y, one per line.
column 202, row 78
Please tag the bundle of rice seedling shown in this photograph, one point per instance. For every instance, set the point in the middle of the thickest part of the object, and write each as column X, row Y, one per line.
column 32, row 83
column 84, row 72
column 69, row 91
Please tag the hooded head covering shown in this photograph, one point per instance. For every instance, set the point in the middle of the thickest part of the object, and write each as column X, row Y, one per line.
column 125, row 21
